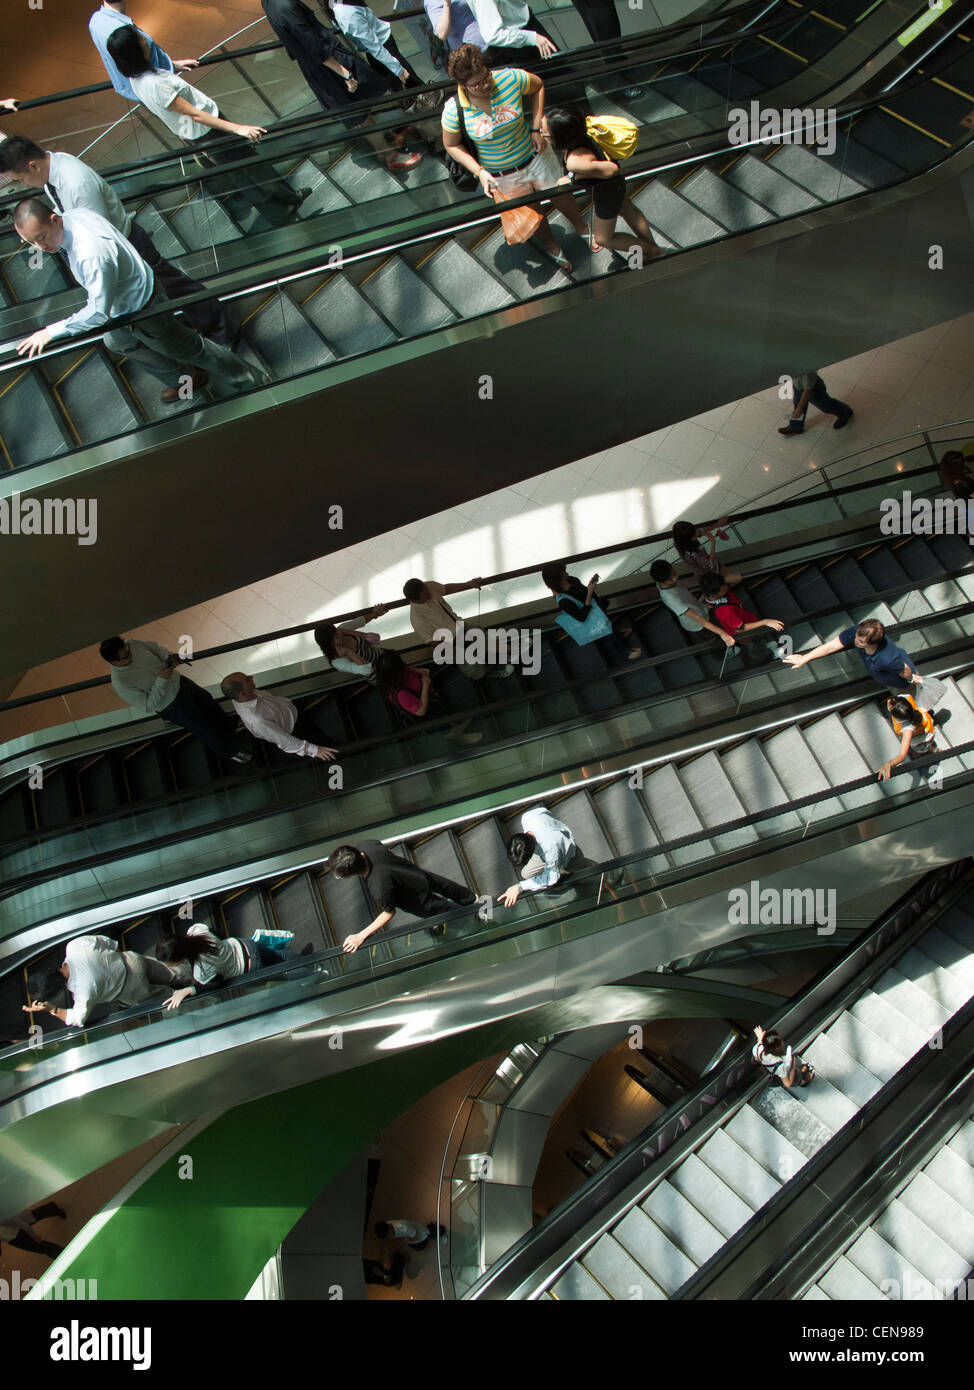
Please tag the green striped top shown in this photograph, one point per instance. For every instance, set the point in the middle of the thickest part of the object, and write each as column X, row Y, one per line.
column 503, row 139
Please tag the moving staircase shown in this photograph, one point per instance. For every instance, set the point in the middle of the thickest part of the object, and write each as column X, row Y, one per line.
column 425, row 284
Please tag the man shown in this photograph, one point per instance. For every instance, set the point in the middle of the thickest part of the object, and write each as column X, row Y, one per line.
column 70, row 183
column 144, row 675
column 688, row 611
column 809, row 388
column 888, row 664
column 430, row 614
column 119, row 284
column 103, row 24
column 541, row 854
column 514, row 37
column 395, row 883
column 100, row 973
column 274, row 718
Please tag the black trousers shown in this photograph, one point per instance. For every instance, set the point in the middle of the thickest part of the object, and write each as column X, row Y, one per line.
column 26, row 1240
column 196, row 710
column 308, row 728
column 206, row 317
column 600, row 19
column 444, row 894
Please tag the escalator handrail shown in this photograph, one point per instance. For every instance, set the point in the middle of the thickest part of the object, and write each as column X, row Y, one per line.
column 240, row 644
column 736, row 1076
column 185, row 796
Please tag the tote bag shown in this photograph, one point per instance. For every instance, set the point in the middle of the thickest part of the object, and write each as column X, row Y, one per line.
column 596, row 625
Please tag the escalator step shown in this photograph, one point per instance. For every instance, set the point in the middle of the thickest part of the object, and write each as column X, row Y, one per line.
column 953, row 551
column 404, row 300
column 760, row 181
column 722, row 202
column 708, row 787
column 674, row 814
column 651, row 107
column 841, row 760
column 368, row 714
column 883, row 569
column 757, row 786
column 811, row 589
column 576, row 1285
column 146, row 772
column 166, row 242
column 618, row 1272
column 730, row 82
column 711, row 1196
column 346, row 318
column 463, row 282
column 511, row 265
column 844, row 1281
column 298, row 909
column 679, row 221
column 799, row 772
column 485, row 850
column 874, row 738
column 775, row 599
column 346, row 906
column 100, row 785
column 59, row 802
column 622, row 810
column 361, row 176
column 285, row 339
column 693, row 96
column 16, row 817
column 27, row 281
column 324, row 197
column 814, row 173
column 893, row 139
column 960, row 727
column 202, row 222
column 96, row 400
column 579, row 815
column 31, row 425
column 247, row 912
column 848, row 579
column 864, row 165
column 438, row 855
column 679, row 1219
column 192, row 762
column 918, row 560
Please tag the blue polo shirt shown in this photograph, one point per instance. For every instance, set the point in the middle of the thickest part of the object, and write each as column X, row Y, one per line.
column 101, row 26
column 885, row 664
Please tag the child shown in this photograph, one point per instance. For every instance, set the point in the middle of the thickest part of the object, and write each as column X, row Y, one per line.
column 689, row 611
column 728, row 609
column 686, row 540
column 916, row 729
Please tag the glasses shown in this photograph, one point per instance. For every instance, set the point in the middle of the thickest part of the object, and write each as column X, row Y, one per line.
column 476, row 86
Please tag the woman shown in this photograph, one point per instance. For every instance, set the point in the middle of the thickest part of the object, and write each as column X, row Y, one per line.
column 196, row 119
column 573, row 598
column 512, row 157
column 374, row 36
column 350, row 649
column 771, row 1051
column 587, row 167
column 916, row 730
column 213, row 962
column 409, row 689
column 686, row 540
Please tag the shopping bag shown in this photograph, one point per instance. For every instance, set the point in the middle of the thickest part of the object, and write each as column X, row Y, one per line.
column 596, row 625
column 520, row 224
column 930, row 693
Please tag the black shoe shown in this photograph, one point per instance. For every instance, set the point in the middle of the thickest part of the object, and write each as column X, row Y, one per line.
column 787, row 429
column 308, row 950
column 437, row 932
column 843, row 420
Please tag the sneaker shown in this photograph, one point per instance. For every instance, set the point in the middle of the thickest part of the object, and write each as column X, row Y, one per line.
column 242, row 758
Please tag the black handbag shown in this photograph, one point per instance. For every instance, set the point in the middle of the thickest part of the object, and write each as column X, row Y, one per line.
column 463, row 180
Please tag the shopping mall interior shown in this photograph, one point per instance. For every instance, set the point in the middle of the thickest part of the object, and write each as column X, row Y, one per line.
column 677, row 998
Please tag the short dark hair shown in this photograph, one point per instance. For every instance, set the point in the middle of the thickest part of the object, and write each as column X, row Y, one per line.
column 111, row 648
column 347, row 862
column 381, row 1229
column 711, row 584
column 50, row 986
column 324, row 635
column 774, row 1043
column 465, row 61
column 871, row 630
column 661, row 571
column 552, row 574
column 126, row 51
column 231, row 688
column 179, row 948
column 16, row 152
column 412, row 589
column 520, row 850
column 901, row 708
column 29, row 209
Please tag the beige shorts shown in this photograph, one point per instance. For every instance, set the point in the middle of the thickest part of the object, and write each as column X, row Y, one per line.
column 544, row 171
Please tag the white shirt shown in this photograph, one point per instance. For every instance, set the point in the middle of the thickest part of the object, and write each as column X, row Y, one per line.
column 272, row 717
column 358, row 22
column 678, row 600
column 104, row 263
column 78, row 186
column 96, row 975
column 769, row 1060
column 555, row 844
column 228, row 960
column 158, row 90
column 502, row 23
column 139, row 683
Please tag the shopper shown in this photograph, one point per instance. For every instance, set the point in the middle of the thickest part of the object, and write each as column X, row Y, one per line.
column 195, row 118
column 119, row 285
column 542, row 854
column 512, row 158
column 275, row 719
column 97, row 971
column 144, row 675
column 588, row 168
column 583, row 609
column 374, row 36
column 782, row 1063
column 728, row 610
column 808, row 388
column 409, row 689
column 432, row 617
column 216, row 961
column 70, row 183
column 887, row 663
column 104, row 23
column 689, row 612
column 916, row 731
column 416, row 1234
column 394, row 884
column 511, row 32
column 348, row 648
column 686, row 540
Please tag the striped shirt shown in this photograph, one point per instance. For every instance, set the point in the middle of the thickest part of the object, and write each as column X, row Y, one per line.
column 503, row 139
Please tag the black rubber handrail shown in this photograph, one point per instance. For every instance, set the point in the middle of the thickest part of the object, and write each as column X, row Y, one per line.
column 660, row 536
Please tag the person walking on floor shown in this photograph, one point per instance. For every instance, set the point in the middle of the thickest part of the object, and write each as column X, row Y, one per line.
column 144, row 675
column 809, row 389
column 394, row 883
column 120, row 285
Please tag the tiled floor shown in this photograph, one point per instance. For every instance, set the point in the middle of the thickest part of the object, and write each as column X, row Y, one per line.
column 719, row 461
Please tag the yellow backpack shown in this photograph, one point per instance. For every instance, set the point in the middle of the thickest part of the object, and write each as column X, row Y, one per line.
column 615, row 136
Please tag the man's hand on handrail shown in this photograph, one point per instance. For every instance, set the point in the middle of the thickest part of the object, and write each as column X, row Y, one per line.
column 9, row 104
column 35, row 344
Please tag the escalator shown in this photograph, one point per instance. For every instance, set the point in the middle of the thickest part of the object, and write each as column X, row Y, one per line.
column 422, row 284
column 165, row 792
column 674, row 1232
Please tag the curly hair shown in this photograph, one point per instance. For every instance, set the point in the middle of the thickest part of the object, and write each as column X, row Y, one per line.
column 465, row 62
